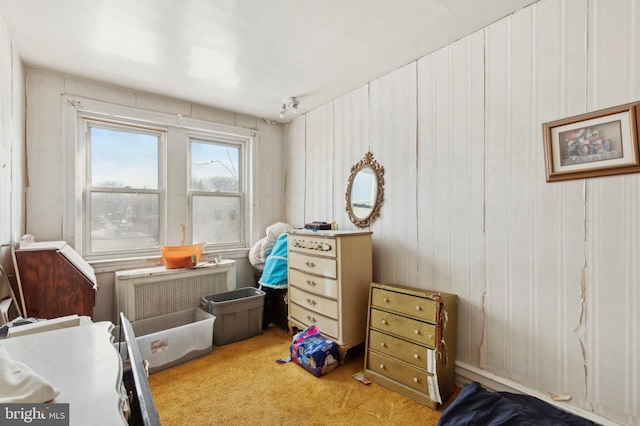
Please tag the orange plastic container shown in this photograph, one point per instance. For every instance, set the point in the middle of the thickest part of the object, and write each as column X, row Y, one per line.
column 175, row 257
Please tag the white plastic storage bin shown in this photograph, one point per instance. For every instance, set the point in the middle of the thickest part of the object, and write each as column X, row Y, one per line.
column 238, row 314
column 171, row 339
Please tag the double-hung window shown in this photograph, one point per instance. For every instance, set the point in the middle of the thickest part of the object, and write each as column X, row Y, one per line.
column 145, row 179
column 217, row 191
column 124, row 188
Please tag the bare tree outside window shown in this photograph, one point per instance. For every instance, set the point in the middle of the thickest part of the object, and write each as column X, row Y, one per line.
column 216, row 190
column 124, row 200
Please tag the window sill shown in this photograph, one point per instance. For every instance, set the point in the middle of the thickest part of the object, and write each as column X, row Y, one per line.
column 112, row 265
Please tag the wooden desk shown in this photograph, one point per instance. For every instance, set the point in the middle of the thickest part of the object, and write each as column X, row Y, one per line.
column 56, row 280
column 82, row 363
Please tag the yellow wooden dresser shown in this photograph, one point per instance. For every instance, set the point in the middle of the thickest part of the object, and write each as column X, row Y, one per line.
column 329, row 279
column 411, row 342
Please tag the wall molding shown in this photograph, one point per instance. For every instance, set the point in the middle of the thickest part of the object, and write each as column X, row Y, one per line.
column 466, row 373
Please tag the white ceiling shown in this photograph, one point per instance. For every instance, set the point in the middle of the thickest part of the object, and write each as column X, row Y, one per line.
column 241, row 55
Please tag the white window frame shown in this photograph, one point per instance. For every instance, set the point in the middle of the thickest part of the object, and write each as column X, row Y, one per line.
column 176, row 200
column 243, row 176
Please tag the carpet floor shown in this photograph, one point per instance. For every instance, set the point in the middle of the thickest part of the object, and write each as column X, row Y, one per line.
column 241, row 383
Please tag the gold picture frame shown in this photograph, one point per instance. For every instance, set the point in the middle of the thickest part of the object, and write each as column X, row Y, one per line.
column 599, row 143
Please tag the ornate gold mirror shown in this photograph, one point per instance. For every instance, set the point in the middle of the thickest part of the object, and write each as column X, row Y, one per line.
column 365, row 191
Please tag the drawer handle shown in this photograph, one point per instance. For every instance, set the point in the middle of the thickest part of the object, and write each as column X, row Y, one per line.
column 384, row 299
column 311, row 245
column 323, row 247
column 416, row 331
column 311, row 283
column 384, row 322
column 312, row 319
column 417, row 307
column 416, row 356
column 382, row 344
column 416, row 380
column 311, row 302
column 382, row 366
column 310, row 264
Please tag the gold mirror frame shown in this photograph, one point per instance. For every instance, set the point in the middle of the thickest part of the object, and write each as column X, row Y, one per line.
column 378, row 171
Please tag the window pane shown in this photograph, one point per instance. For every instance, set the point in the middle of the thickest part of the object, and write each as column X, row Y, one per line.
column 124, row 159
column 216, row 219
column 123, row 221
column 214, row 167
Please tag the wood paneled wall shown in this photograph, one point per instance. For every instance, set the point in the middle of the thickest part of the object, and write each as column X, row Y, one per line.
column 6, row 125
column 546, row 273
column 12, row 147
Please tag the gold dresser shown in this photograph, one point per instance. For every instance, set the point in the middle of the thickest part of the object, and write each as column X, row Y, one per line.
column 329, row 279
column 411, row 342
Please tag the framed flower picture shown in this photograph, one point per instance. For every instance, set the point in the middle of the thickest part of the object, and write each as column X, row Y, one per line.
column 598, row 143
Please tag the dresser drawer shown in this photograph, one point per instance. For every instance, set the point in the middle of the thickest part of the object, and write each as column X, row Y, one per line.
column 314, row 302
column 417, row 307
column 314, row 265
column 317, row 246
column 419, row 332
column 313, row 283
column 406, row 374
column 410, row 353
column 328, row 326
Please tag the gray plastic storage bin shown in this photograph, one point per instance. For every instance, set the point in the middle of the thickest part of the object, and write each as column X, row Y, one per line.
column 238, row 314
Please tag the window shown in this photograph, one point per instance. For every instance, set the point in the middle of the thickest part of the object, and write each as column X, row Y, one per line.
column 124, row 188
column 145, row 179
column 216, row 192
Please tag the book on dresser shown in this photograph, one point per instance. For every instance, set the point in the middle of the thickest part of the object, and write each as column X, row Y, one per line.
column 411, row 342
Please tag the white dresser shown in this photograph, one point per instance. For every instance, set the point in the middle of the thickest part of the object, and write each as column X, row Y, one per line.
column 329, row 278
column 83, row 364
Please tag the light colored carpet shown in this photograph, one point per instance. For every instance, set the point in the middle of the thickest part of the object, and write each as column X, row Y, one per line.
column 240, row 383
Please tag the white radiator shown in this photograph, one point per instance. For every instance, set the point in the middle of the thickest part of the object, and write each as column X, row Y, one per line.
column 149, row 292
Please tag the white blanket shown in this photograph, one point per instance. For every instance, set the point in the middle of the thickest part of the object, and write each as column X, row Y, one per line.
column 20, row 384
